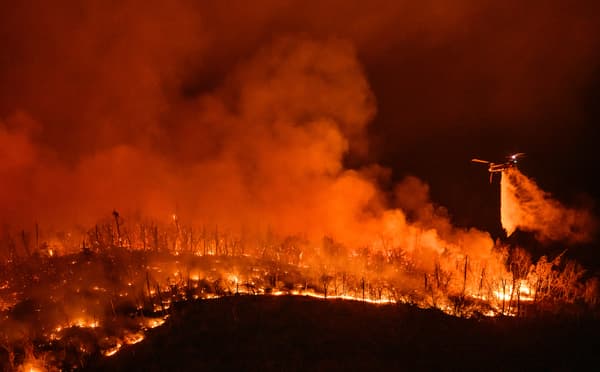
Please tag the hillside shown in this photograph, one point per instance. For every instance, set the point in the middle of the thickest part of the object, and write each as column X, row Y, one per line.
column 301, row 333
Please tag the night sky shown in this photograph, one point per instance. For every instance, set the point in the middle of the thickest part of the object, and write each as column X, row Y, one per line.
column 433, row 85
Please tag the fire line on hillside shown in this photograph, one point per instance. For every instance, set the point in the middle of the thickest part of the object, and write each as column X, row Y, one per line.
column 127, row 276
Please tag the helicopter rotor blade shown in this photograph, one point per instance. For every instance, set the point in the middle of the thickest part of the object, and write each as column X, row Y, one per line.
column 480, row 161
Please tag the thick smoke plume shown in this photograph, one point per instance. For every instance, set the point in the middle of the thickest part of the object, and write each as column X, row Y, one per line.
column 233, row 116
column 209, row 126
column 526, row 207
column 264, row 151
column 266, row 146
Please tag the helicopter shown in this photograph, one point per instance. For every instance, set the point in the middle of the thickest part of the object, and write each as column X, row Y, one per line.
column 500, row 167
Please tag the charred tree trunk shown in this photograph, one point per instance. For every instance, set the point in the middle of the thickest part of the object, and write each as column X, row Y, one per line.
column 217, row 248
column 37, row 237
column 97, row 235
column 362, row 284
column 464, row 288
column 204, row 241
column 143, row 233
column 519, row 299
column 149, row 291
column 117, row 224
column 25, row 240
column 481, row 279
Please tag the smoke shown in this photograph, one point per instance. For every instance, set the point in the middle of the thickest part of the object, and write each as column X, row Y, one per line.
column 242, row 119
column 264, row 150
column 269, row 142
column 527, row 207
column 177, row 108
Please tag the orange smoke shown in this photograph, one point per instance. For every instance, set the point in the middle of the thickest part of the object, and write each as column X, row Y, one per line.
column 160, row 109
column 264, row 151
column 527, row 207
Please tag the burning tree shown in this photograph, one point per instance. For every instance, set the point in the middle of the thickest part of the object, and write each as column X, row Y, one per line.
column 80, row 303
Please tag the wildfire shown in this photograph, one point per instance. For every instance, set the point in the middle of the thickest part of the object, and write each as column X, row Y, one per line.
column 115, row 344
column 381, row 301
column 113, row 350
column 509, row 293
column 144, row 287
column 134, row 338
column 86, row 323
column 29, row 367
column 255, row 198
column 155, row 322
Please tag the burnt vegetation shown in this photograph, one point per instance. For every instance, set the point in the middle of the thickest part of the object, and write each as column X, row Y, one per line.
column 69, row 304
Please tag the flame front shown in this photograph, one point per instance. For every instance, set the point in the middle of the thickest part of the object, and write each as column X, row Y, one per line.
column 114, row 294
column 240, row 188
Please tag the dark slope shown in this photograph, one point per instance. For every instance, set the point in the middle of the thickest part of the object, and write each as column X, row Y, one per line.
column 298, row 333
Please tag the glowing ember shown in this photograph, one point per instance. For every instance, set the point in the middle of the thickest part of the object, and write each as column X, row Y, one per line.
column 134, row 338
column 112, row 351
column 132, row 183
column 85, row 323
column 153, row 323
column 128, row 291
column 28, row 367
